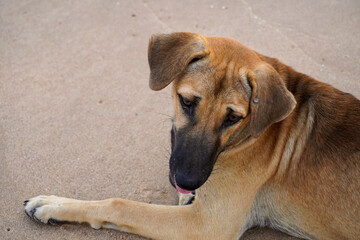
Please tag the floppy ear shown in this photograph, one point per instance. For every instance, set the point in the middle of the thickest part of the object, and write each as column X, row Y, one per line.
column 270, row 100
column 169, row 55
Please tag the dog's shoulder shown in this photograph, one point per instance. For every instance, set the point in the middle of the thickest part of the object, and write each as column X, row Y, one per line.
column 335, row 117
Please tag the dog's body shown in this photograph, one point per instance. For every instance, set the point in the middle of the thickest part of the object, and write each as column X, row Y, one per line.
column 283, row 150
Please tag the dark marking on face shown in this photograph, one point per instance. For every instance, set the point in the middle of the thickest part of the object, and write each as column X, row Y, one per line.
column 220, row 84
column 193, row 157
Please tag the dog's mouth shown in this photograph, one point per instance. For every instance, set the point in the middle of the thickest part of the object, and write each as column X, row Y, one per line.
column 177, row 187
column 186, row 184
column 180, row 190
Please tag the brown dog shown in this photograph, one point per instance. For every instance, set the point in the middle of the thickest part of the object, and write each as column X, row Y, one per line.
column 283, row 150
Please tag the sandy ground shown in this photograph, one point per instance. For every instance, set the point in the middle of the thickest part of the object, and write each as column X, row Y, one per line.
column 77, row 118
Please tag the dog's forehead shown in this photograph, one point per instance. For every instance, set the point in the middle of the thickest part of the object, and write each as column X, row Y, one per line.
column 228, row 49
column 224, row 76
column 231, row 61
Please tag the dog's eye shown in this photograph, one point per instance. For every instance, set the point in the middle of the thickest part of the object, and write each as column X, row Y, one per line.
column 231, row 119
column 186, row 102
column 195, row 59
column 187, row 105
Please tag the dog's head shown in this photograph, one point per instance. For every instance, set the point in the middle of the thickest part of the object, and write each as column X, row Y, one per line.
column 224, row 95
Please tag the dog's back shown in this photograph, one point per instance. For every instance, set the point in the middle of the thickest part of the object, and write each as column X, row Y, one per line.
column 321, row 173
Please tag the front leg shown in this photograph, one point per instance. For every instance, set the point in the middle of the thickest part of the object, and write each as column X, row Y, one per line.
column 149, row 220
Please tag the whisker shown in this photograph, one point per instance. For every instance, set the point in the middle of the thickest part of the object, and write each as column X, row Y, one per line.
column 167, row 151
column 164, row 114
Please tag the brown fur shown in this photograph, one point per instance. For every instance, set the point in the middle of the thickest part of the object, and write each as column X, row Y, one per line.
column 291, row 163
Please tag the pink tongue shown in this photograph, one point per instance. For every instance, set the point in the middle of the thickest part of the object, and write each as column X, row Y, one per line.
column 183, row 191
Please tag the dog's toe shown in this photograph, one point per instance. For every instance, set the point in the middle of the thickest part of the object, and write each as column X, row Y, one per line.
column 36, row 218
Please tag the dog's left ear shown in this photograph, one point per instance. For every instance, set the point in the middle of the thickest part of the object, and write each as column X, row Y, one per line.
column 271, row 102
column 170, row 54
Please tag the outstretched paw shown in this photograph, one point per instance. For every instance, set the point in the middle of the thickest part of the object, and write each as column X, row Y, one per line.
column 45, row 209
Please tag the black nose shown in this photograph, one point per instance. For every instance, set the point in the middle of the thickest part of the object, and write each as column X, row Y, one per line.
column 187, row 182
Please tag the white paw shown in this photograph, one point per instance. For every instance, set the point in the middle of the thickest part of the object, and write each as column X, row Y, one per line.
column 45, row 209
column 185, row 199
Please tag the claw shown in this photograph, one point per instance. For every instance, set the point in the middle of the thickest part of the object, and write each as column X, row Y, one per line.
column 32, row 214
column 36, row 219
column 33, row 211
column 27, row 213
